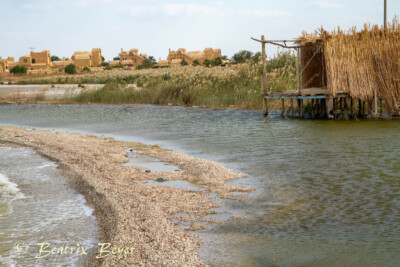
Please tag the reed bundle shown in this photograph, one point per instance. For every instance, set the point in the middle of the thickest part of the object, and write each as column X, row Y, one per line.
column 360, row 62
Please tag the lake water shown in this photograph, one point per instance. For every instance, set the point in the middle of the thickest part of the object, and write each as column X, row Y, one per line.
column 37, row 206
column 328, row 192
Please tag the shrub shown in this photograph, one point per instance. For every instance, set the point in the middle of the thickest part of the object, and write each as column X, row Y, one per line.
column 242, row 56
column 139, row 67
column 70, row 69
column 86, row 69
column 184, row 62
column 207, row 63
column 147, row 63
column 105, row 64
column 196, row 63
column 217, row 62
column 107, row 68
column 54, row 58
column 19, row 69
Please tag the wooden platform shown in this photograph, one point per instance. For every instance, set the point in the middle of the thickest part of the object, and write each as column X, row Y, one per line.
column 309, row 93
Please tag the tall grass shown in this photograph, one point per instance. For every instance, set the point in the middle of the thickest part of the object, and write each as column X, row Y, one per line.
column 216, row 87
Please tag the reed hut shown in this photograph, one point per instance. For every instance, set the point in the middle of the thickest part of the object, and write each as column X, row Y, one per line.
column 361, row 65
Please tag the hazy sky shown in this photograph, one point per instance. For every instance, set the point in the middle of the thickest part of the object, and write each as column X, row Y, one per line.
column 154, row 26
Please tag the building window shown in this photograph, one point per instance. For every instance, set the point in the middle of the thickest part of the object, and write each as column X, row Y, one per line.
column 33, row 61
column 25, row 60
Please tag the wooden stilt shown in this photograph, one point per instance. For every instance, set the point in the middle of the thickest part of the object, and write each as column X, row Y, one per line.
column 341, row 104
column 301, row 108
column 265, row 106
column 283, row 108
column 292, row 108
column 370, row 112
column 264, row 77
column 359, row 107
column 351, row 107
column 329, row 104
column 363, row 109
column 380, row 106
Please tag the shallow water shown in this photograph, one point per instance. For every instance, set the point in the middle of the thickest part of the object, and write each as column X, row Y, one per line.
column 327, row 191
column 36, row 206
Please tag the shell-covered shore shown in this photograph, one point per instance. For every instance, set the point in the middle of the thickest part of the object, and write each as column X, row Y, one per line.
column 131, row 214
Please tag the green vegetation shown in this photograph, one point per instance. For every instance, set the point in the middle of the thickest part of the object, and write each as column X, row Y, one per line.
column 116, row 58
column 147, row 63
column 107, row 68
column 196, row 63
column 19, row 69
column 54, row 58
column 86, row 69
column 215, row 87
column 184, row 63
column 70, row 69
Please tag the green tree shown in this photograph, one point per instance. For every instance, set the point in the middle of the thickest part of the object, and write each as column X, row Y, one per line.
column 116, row 58
column 242, row 56
column 224, row 57
column 217, row 61
column 147, row 63
column 184, row 62
column 207, row 63
column 70, row 69
column 196, row 63
column 54, row 58
column 102, row 59
column 153, row 59
column 107, row 68
column 19, row 69
column 86, row 69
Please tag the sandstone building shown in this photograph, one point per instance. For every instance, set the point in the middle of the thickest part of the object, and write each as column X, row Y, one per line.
column 131, row 58
column 175, row 57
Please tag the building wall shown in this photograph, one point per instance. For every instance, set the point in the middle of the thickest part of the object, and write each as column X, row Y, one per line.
column 96, row 57
column 190, row 57
column 132, row 55
column 41, row 57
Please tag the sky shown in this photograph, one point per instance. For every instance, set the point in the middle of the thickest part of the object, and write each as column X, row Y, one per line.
column 154, row 26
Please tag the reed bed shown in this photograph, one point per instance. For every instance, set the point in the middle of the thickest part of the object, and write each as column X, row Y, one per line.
column 217, row 87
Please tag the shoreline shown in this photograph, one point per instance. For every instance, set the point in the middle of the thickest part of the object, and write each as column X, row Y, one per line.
column 129, row 213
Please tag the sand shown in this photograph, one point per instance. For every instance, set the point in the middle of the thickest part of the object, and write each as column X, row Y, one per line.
column 131, row 213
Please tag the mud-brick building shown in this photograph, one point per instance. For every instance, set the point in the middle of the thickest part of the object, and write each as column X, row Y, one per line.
column 176, row 57
column 4, row 64
column 34, row 61
column 83, row 59
column 129, row 58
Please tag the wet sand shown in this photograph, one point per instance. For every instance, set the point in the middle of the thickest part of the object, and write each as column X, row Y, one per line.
column 130, row 213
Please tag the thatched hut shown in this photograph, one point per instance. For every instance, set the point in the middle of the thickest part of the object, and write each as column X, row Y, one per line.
column 360, row 64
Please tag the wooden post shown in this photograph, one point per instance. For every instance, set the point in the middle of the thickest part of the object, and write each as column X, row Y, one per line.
column 292, row 108
column 301, row 108
column 363, row 108
column 381, row 106
column 376, row 104
column 351, row 107
column 329, row 107
column 264, row 77
column 298, row 66
column 283, row 108
column 370, row 113
column 359, row 108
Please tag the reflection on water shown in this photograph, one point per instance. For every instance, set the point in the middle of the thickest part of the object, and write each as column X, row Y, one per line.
column 327, row 191
column 36, row 206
